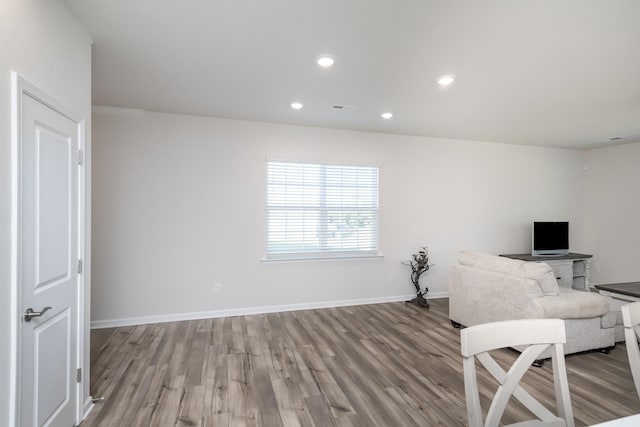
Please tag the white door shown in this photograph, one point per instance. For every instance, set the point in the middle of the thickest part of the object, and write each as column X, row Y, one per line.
column 48, row 246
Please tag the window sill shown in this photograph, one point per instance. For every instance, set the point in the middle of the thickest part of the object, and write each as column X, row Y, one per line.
column 311, row 258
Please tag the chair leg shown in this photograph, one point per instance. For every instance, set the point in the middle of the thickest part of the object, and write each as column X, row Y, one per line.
column 606, row 350
column 538, row 363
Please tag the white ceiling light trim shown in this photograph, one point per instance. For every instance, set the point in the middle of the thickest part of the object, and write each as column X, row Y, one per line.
column 325, row 61
column 446, row 79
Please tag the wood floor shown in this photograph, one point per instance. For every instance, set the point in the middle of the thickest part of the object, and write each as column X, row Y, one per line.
column 375, row 365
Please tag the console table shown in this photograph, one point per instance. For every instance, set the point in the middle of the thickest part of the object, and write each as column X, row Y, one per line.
column 627, row 292
column 571, row 271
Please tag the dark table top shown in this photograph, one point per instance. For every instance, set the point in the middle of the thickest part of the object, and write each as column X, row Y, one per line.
column 631, row 288
column 529, row 257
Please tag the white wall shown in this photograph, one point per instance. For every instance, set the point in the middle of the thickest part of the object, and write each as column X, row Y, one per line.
column 612, row 213
column 42, row 41
column 179, row 204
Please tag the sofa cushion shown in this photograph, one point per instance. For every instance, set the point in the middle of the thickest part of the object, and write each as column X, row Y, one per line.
column 571, row 304
column 539, row 271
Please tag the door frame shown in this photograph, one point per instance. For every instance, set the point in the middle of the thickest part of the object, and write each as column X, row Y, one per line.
column 21, row 87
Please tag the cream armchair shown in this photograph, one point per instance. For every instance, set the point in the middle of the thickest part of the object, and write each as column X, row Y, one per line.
column 487, row 288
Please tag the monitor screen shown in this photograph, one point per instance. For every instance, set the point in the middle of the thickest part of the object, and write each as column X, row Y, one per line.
column 550, row 238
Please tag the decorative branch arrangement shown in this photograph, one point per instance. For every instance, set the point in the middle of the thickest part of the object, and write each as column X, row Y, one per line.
column 419, row 264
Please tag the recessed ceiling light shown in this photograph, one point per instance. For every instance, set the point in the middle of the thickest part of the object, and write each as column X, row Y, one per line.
column 296, row 105
column 386, row 115
column 446, row 80
column 325, row 61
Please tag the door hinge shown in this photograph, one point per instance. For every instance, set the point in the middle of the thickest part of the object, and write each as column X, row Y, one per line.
column 80, row 157
column 80, row 266
column 79, row 375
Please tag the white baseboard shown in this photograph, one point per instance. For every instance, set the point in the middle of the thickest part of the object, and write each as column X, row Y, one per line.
column 88, row 406
column 113, row 323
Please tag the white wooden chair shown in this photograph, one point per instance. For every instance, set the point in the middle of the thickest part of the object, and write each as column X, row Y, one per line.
column 536, row 335
column 631, row 321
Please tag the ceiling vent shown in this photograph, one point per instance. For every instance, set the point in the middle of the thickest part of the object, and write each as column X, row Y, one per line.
column 342, row 107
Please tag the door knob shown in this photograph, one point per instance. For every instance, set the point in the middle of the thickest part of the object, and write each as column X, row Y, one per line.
column 30, row 314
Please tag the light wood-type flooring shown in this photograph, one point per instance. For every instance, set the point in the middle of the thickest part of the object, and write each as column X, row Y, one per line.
column 372, row 365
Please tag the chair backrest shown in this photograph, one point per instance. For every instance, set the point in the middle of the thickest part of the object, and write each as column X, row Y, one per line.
column 631, row 321
column 536, row 335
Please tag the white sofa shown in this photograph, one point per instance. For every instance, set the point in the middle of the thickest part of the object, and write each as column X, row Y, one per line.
column 487, row 288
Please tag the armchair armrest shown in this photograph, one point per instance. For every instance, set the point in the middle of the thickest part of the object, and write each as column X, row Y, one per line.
column 572, row 304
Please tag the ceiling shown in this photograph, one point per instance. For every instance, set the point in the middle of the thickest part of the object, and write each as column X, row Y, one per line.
column 559, row 73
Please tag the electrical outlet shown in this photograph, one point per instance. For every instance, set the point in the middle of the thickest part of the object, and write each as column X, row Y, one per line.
column 217, row 288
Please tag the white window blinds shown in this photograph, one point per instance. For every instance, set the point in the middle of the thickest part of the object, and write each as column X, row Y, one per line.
column 316, row 210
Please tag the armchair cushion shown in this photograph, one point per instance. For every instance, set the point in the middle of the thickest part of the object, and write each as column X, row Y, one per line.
column 539, row 271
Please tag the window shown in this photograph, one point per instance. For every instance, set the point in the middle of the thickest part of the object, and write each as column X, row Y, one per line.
column 321, row 211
